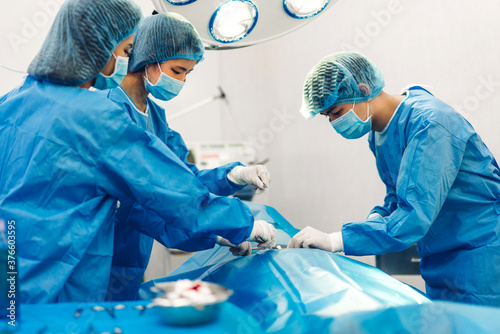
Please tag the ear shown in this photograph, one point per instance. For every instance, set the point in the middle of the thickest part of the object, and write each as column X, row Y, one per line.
column 363, row 88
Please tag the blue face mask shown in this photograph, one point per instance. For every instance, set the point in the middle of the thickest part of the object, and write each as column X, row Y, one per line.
column 107, row 82
column 166, row 87
column 350, row 126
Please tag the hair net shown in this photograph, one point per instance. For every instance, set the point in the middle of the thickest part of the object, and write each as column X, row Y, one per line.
column 340, row 78
column 82, row 38
column 162, row 37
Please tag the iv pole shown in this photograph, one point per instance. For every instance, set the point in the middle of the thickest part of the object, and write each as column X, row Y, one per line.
column 200, row 104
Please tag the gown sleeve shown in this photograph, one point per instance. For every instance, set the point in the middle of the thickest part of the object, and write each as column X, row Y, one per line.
column 151, row 224
column 390, row 203
column 138, row 166
column 390, row 200
column 134, row 215
column 428, row 169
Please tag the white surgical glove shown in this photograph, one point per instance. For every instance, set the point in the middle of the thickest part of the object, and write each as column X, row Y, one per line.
column 312, row 238
column 264, row 233
column 243, row 249
column 256, row 175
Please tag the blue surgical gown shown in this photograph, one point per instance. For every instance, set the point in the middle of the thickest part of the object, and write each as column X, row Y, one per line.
column 443, row 193
column 67, row 155
column 132, row 249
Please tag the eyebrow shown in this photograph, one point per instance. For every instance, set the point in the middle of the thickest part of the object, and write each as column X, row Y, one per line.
column 331, row 110
column 177, row 67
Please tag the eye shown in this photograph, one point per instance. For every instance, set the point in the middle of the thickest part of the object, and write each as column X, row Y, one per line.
column 176, row 72
column 336, row 112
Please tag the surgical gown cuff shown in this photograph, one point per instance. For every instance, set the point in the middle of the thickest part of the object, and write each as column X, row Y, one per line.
column 382, row 211
column 223, row 242
column 374, row 215
column 233, row 185
column 216, row 181
column 337, row 242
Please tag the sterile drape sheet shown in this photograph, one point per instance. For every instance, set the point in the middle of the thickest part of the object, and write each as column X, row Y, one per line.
column 295, row 290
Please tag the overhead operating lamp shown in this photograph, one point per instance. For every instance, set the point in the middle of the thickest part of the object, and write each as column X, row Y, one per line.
column 228, row 24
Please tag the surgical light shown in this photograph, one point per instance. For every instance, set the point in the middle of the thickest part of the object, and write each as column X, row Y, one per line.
column 233, row 20
column 303, row 9
column 180, row 2
column 230, row 24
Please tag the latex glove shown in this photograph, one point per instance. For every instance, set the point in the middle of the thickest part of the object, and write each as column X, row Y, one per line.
column 256, row 175
column 264, row 233
column 312, row 238
column 243, row 249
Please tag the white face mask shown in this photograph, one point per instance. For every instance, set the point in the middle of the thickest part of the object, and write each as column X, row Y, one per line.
column 166, row 87
column 350, row 126
column 107, row 82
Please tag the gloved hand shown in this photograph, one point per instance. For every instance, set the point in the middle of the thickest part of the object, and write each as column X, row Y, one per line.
column 243, row 249
column 264, row 233
column 312, row 238
column 256, row 175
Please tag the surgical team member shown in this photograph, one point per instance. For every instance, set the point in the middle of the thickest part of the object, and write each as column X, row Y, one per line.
column 116, row 69
column 443, row 184
column 68, row 154
column 166, row 49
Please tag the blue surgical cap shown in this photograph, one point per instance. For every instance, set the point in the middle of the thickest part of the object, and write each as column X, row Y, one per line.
column 162, row 37
column 82, row 38
column 340, row 78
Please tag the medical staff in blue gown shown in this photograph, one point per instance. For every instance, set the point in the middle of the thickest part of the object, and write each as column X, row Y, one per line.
column 68, row 154
column 166, row 49
column 443, row 184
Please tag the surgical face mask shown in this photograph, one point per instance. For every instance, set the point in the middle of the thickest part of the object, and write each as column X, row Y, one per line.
column 107, row 82
column 350, row 126
column 166, row 87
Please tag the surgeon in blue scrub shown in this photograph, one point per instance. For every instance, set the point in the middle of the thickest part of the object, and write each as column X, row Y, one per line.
column 68, row 154
column 443, row 184
column 166, row 49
